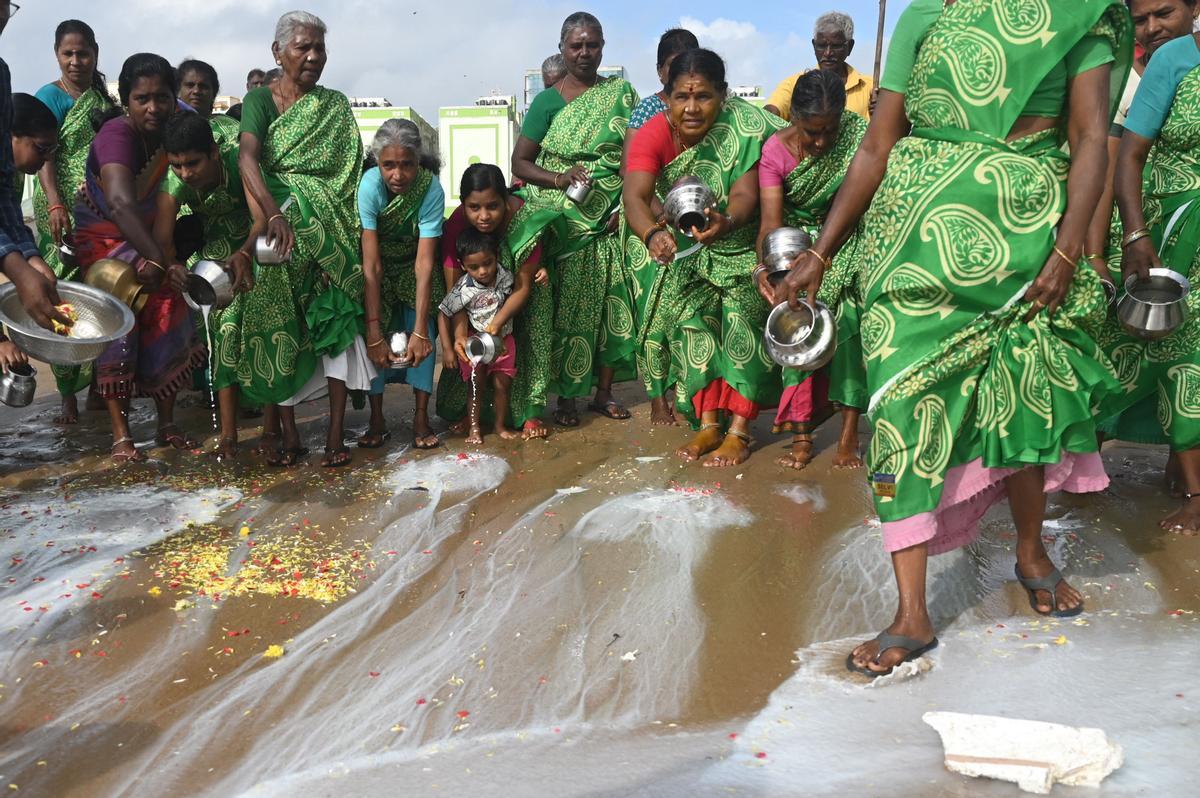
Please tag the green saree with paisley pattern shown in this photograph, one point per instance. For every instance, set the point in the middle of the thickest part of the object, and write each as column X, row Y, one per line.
column 1160, row 400
column 705, row 317
column 227, row 224
column 808, row 194
column 964, row 391
column 74, row 141
column 312, row 304
column 399, row 235
column 593, row 289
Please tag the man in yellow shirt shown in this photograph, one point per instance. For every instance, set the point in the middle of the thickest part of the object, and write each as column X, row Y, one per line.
column 833, row 39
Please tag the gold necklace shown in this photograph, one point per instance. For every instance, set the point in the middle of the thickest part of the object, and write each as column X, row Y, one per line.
column 73, row 95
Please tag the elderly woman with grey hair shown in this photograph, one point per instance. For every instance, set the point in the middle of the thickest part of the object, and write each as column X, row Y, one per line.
column 554, row 69
column 833, row 41
column 401, row 206
column 300, row 158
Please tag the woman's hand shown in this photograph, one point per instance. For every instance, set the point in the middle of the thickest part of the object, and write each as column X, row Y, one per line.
column 60, row 224
column 541, row 276
column 1051, row 285
column 380, row 354
column 43, row 268
column 280, row 236
column 807, row 271
column 662, row 246
column 419, row 348
column 765, row 289
column 150, row 276
column 241, row 271
column 1139, row 259
column 576, row 174
column 1100, row 267
column 177, row 275
column 11, row 356
column 718, row 225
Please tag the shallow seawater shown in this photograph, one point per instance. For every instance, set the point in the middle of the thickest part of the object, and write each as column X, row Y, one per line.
column 583, row 616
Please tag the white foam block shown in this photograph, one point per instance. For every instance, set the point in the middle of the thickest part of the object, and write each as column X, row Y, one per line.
column 1031, row 753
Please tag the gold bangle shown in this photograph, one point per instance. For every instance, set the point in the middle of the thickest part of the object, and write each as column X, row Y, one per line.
column 1136, row 235
column 277, row 216
column 375, row 343
column 824, row 260
column 1064, row 255
column 418, row 335
column 557, row 175
column 156, row 264
column 1095, row 257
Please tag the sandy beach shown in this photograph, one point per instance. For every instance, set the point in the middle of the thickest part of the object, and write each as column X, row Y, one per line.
column 584, row 616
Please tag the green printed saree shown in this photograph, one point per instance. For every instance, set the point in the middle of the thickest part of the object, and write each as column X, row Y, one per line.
column 311, row 305
column 594, row 324
column 1160, row 400
column 705, row 317
column 399, row 235
column 964, row 391
column 808, row 194
column 74, row 141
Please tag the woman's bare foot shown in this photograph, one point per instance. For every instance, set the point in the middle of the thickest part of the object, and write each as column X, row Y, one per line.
column 69, row 414
column 123, row 451
column 868, row 655
column 847, row 457
column 475, row 435
column 707, row 439
column 461, row 426
column 505, row 433
column 661, row 414
column 534, row 428
column 734, row 450
column 1185, row 520
column 1039, row 565
column 800, row 455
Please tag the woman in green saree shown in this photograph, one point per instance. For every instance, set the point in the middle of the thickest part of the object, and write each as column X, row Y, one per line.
column 802, row 168
column 976, row 325
column 573, row 134
column 401, row 206
column 301, row 157
column 198, row 87
column 80, row 90
column 1161, row 220
column 704, row 303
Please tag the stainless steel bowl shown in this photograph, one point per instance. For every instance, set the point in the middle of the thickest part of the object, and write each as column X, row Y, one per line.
column 782, row 245
column 799, row 338
column 208, row 285
column 265, row 253
column 579, row 192
column 66, row 252
column 1153, row 309
column 102, row 320
column 483, row 347
column 18, row 385
column 685, row 204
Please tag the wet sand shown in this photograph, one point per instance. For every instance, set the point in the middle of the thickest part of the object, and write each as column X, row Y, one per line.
column 581, row 616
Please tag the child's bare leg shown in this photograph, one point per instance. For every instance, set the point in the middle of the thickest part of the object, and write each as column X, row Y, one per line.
column 501, row 385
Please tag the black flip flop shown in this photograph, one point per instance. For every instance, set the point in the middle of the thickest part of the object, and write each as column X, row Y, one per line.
column 566, row 418
column 418, row 445
column 1048, row 583
column 335, row 454
column 914, row 647
column 286, row 458
column 606, row 410
column 383, row 437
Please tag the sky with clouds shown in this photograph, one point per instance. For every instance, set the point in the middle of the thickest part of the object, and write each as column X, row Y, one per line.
column 431, row 54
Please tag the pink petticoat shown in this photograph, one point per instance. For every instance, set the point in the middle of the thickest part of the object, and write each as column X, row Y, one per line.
column 971, row 489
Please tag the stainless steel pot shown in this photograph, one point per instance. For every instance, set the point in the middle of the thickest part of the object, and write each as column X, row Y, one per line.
column 66, row 253
column 685, row 204
column 265, row 253
column 1153, row 309
column 800, row 338
column 579, row 192
column 398, row 343
column 482, row 348
column 18, row 385
column 209, row 285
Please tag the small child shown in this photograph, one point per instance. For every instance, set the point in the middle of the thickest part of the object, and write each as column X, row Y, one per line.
column 483, row 300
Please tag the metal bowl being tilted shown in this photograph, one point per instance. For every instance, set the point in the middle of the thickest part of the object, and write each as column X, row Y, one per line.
column 685, row 204
column 208, row 285
column 1153, row 309
column 800, row 338
column 483, row 348
column 780, row 248
column 101, row 320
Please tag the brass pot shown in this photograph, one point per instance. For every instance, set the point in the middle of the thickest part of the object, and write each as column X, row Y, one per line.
column 119, row 279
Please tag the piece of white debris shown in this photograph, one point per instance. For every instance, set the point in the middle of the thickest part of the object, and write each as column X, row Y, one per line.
column 629, row 656
column 1031, row 753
